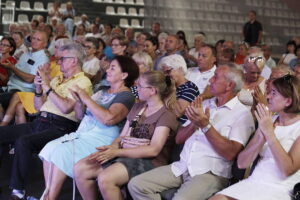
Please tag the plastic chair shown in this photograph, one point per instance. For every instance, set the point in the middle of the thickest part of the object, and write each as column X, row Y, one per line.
column 10, row 4
column 7, row 18
column 23, row 18
column 124, row 23
column 121, row 11
column 132, row 11
column 25, row 5
column 110, row 10
column 38, row 6
column 135, row 23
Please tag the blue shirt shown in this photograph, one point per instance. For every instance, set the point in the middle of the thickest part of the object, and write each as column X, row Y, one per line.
column 28, row 63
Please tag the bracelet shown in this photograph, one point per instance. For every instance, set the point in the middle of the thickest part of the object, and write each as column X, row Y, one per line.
column 48, row 92
column 38, row 94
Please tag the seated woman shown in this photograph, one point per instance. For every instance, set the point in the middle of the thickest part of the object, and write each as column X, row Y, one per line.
column 277, row 140
column 145, row 63
column 253, row 66
column 106, row 112
column 22, row 102
column 186, row 91
column 151, row 127
column 91, row 63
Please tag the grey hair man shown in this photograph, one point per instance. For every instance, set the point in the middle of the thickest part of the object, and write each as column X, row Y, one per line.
column 217, row 131
column 55, row 102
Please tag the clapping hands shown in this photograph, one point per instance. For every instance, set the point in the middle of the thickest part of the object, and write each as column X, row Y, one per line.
column 195, row 113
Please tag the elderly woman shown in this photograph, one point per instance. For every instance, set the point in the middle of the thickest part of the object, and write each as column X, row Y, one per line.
column 198, row 43
column 277, row 141
column 253, row 66
column 105, row 115
column 186, row 91
column 145, row 63
column 91, row 63
column 143, row 144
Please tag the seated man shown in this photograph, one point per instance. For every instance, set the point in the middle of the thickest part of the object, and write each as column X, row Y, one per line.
column 219, row 129
column 23, row 73
column 56, row 104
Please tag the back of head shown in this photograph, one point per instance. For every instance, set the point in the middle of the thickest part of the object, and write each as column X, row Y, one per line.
column 165, row 87
column 174, row 61
column 289, row 87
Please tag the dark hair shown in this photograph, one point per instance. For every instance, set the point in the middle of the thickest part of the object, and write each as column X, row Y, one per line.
column 100, row 40
column 289, row 87
column 219, row 42
column 122, row 39
column 19, row 33
column 181, row 33
column 12, row 44
column 129, row 66
column 153, row 40
column 253, row 11
column 228, row 53
column 94, row 41
column 291, row 42
column 36, row 22
column 212, row 48
column 297, row 48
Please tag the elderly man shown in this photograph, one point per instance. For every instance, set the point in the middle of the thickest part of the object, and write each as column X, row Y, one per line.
column 219, row 129
column 206, row 67
column 56, row 104
column 23, row 73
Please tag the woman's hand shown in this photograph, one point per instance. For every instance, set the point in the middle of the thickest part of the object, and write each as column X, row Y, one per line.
column 79, row 94
column 105, row 153
column 264, row 118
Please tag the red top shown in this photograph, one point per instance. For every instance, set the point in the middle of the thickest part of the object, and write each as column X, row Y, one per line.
column 239, row 59
column 3, row 70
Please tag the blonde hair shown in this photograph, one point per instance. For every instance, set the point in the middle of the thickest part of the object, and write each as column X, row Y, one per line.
column 164, row 85
column 143, row 58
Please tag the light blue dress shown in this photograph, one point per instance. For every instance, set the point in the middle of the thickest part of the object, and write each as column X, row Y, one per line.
column 67, row 150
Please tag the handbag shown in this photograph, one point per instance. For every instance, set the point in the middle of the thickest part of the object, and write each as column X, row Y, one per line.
column 296, row 192
column 131, row 142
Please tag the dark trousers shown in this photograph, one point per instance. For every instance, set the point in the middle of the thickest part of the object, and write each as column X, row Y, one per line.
column 5, row 97
column 30, row 138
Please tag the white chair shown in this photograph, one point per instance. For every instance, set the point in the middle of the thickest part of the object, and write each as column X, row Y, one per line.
column 130, row 2
column 49, row 5
column 121, row 11
column 38, row 6
column 119, row 1
column 107, row 1
column 132, row 11
column 135, row 23
column 7, row 18
column 77, row 19
column 10, row 4
column 97, row 1
column 63, row 6
column 35, row 17
column 25, row 5
column 23, row 18
column 110, row 10
column 140, row 2
column 124, row 23
column 141, row 12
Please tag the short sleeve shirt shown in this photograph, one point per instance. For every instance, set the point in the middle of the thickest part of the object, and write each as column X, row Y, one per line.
column 251, row 31
column 63, row 89
column 91, row 66
column 146, row 127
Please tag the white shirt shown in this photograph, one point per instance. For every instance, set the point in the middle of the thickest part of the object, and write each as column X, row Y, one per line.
column 97, row 35
column 201, row 79
column 234, row 121
column 271, row 62
column 266, row 72
column 20, row 51
column 194, row 53
column 91, row 66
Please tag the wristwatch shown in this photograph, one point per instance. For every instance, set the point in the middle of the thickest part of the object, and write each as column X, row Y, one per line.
column 206, row 128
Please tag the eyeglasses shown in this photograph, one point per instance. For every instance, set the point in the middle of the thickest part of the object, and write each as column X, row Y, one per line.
column 139, row 86
column 255, row 58
column 62, row 59
column 5, row 45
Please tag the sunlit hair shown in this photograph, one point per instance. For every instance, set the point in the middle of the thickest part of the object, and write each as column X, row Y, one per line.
column 165, row 87
column 142, row 57
column 289, row 87
column 235, row 75
column 256, row 58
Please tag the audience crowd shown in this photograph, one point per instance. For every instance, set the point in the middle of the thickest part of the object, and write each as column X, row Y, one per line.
column 141, row 115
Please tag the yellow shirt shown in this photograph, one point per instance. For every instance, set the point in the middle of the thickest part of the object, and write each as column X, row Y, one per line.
column 26, row 98
column 62, row 89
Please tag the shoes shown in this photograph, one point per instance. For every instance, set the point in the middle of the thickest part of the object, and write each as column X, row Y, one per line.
column 15, row 197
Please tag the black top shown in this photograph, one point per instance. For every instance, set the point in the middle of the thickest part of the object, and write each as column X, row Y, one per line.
column 251, row 32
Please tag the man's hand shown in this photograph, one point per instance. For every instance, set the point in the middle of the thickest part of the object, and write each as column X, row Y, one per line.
column 43, row 72
column 195, row 113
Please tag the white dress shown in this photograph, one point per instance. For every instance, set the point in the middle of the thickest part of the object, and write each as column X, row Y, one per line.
column 267, row 182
